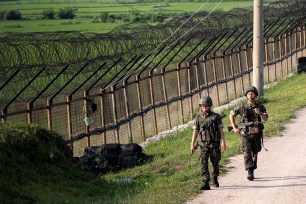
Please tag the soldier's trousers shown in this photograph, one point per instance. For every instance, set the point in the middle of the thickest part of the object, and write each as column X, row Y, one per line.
column 251, row 145
column 214, row 153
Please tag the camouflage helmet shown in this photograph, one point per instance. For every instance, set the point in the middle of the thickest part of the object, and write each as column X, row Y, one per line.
column 205, row 100
column 251, row 88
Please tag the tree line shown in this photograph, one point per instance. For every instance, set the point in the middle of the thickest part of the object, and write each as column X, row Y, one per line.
column 104, row 17
column 63, row 13
column 134, row 16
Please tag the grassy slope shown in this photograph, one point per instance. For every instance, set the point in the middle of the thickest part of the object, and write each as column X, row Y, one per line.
column 170, row 175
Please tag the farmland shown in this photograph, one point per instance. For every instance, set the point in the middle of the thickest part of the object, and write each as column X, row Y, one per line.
column 88, row 14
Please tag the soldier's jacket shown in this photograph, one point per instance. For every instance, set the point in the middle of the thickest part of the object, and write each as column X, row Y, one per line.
column 247, row 114
column 208, row 127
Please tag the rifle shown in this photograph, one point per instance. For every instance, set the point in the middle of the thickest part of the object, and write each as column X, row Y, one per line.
column 244, row 125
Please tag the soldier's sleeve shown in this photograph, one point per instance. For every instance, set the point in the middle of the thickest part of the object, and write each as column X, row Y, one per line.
column 196, row 125
column 236, row 111
column 263, row 110
column 219, row 121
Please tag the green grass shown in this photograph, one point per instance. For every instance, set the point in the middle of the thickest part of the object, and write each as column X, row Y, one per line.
column 87, row 11
column 169, row 175
column 55, row 25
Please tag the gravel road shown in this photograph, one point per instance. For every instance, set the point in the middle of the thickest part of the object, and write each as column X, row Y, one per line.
column 280, row 177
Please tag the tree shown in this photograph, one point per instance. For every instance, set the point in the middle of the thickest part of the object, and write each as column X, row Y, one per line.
column 67, row 13
column 48, row 14
column 104, row 17
column 3, row 15
column 13, row 15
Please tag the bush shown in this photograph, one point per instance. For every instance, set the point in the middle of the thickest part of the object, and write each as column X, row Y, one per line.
column 32, row 142
column 67, row 13
column 3, row 15
column 48, row 14
column 104, row 17
column 13, row 15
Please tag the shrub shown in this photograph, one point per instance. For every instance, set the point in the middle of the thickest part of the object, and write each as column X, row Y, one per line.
column 3, row 15
column 67, row 13
column 13, row 15
column 48, row 14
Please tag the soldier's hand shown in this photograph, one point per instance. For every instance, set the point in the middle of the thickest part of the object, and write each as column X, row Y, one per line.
column 192, row 148
column 223, row 146
column 236, row 130
column 256, row 110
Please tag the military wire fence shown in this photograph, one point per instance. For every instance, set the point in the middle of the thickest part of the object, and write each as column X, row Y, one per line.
column 94, row 93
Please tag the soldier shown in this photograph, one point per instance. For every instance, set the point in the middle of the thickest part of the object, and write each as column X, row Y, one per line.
column 250, row 129
column 208, row 128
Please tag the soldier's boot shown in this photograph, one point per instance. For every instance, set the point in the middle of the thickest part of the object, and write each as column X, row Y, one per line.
column 205, row 186
column 250, row 174
column 215, row 182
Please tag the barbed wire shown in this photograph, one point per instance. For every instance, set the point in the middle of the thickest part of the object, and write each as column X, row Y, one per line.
column 29, row 52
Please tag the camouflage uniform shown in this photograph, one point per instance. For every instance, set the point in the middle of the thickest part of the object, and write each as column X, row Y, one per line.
column 250, row 143
column 209, row 141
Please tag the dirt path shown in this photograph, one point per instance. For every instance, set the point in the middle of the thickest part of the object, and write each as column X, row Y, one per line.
column 280, row 177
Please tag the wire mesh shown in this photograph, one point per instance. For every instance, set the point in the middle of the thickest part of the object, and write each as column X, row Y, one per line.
column 135, row 78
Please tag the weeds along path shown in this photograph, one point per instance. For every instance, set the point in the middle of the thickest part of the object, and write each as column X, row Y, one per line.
column 280, row 177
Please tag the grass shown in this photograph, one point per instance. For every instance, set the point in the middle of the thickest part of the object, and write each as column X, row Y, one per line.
column 87, row 10
column 27, row 26
column 169, row 175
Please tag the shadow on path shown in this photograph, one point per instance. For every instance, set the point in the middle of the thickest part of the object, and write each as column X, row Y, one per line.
column 266, row 179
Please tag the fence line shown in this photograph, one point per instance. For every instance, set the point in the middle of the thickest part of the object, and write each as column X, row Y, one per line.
column 156, row 99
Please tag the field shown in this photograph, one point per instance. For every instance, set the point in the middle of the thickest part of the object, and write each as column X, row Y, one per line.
column 88, row 11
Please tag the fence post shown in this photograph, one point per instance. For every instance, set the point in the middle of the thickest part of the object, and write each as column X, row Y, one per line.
column 50, row 100
column 274, row 57
column 140, row 108
column 295, row 48
column 178, row 67
column 68, row 109
column 266, row 43
column 4, row 113
column 280, row 53
column 247, row 60
column 286, row 48
column 153, row 101
column 189, row 92
column 240, row 68
column 205, row 75
column 29, row 112
column 196, row 66
column 102, row 114
column 127, row 111
column 224, row 76
column 232, row 72
column 304, row 41
column 292, row 48
column 301, row 38
column 215, row 76
column 166, row 97
column 85, row 109
column 49, row 114
column 115, row 114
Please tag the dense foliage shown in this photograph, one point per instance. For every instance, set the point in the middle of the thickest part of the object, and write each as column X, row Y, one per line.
column 10, row 15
